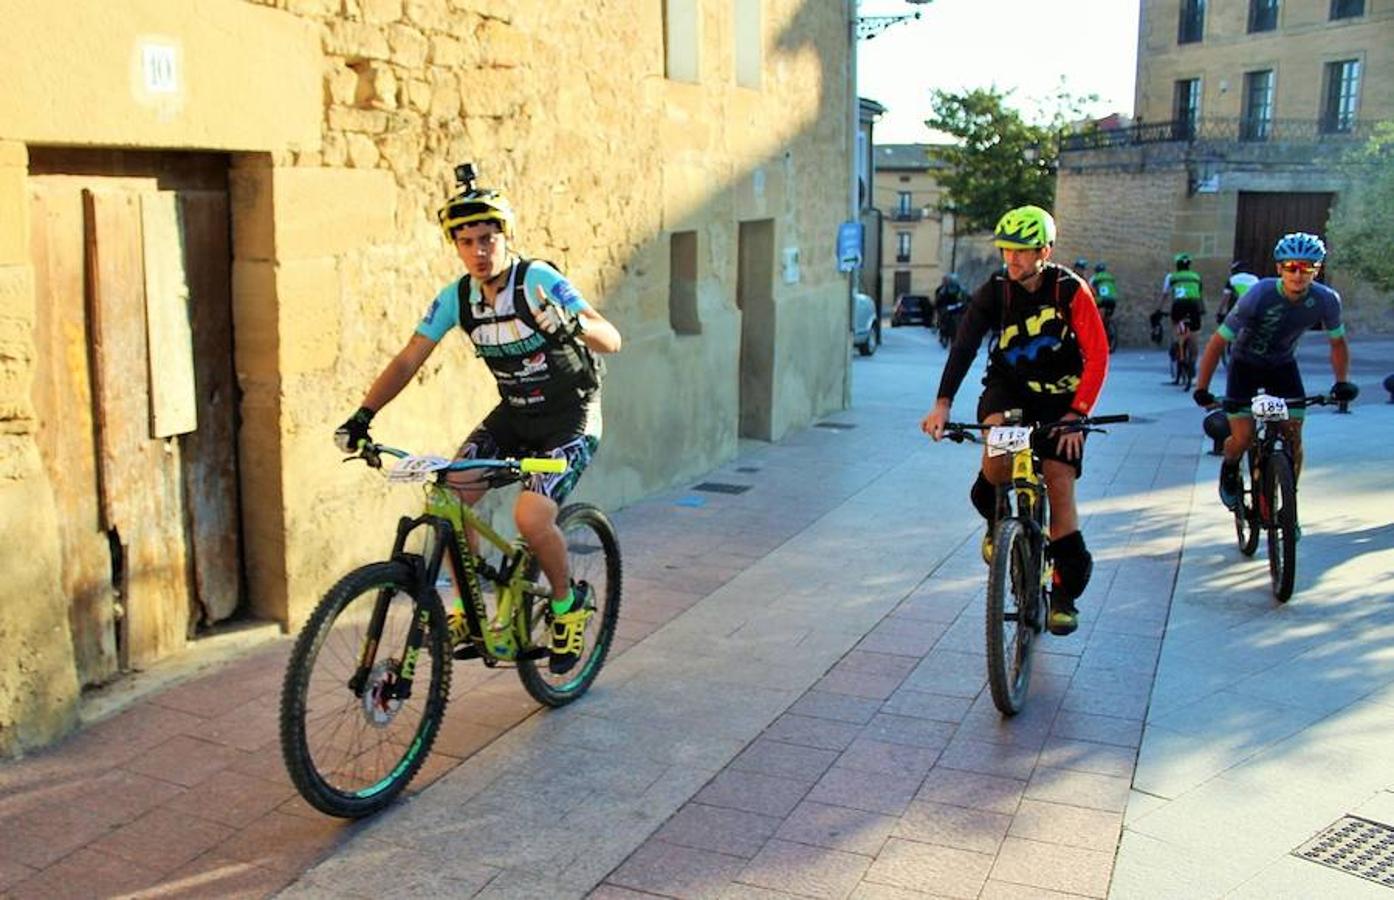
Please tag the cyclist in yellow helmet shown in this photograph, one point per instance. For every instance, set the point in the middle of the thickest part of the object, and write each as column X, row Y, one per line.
column 538, row 336
column 1049, row 359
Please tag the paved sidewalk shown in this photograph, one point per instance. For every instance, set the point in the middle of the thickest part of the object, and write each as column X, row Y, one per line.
column 798, row 707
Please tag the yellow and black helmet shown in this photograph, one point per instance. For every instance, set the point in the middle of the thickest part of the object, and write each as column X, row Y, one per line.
column 1024, row 228
column 474, row 204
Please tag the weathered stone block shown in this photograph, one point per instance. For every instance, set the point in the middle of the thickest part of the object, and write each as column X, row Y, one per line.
column 13, row 153
column 367, row 121
column 355, row 40
column 362, row 152
column 341, row 83
column 381, row 12
column 309, row 298
column 255, row 318
column 322, row 212
column 504, row 45
column 408, row 45
column 14, row 215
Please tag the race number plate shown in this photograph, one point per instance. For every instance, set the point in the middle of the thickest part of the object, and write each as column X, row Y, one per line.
column 1002, row 439
column 1270, row 409
column 416, row 468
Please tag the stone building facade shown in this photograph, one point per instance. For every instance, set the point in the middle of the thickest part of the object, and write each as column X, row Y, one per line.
column 264, row 174
column 1242, row 110
column 908, row 197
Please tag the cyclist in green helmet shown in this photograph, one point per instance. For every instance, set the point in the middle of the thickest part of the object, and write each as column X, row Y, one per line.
column 1049, row 359
column 1183, row 288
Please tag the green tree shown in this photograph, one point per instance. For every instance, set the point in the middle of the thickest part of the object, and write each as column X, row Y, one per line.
column 1362, row 224
column 999, row 160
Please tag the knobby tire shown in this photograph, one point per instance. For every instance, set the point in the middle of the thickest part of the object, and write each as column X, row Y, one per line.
column 1282, row 531
column 347, row 755
column 593, row 555
column 1246, row 517
column 1013, row 585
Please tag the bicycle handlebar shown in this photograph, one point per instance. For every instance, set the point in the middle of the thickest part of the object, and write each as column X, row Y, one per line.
column 963, row 431
column 372, row 454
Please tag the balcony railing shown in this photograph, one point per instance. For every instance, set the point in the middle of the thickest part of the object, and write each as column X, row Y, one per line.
column 907, row 215
column 1247, row 130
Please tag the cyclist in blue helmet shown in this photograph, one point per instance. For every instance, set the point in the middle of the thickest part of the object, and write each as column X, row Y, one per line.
column 1264, row 328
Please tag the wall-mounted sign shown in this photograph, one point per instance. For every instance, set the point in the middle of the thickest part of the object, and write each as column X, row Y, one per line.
column 849, row 246
column 159, row 68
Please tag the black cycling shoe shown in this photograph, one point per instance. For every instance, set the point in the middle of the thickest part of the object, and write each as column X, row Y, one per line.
column 1230, row 487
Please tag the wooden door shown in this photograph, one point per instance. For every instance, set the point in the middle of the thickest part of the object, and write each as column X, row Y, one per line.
column 1264, row 217
column 139, row 477
column 66, row 433
column 140, row 445
column 209, row 453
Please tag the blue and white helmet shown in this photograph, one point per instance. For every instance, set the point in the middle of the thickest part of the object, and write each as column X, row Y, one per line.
column 1299, row 245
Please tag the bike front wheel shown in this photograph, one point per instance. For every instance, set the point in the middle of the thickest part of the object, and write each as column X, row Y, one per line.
column 1246, row 518
column 593, row 556
column 1013, row 601
column 1282, row 527
column 351, row 735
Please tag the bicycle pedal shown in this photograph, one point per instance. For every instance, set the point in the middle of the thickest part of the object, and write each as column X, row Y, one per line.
column 534, row 653
column 466, row 651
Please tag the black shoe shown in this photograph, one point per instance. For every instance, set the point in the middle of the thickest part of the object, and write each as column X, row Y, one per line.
column 1230, row 487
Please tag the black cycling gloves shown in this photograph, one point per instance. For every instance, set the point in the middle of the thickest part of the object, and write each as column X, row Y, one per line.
column 1344, row 391
column 1203, row 398
column 354, row 433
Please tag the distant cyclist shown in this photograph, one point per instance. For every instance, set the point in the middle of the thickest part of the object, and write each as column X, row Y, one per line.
column 1082, row 269
column 1240, row 280
column 1183, row 288
column 1105, row 289
column 1265, row 326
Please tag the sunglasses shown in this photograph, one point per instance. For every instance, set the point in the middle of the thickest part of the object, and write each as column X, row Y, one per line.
column 1304, row 268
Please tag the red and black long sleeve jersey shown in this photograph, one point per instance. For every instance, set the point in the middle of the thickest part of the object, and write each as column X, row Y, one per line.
column 1049, row 341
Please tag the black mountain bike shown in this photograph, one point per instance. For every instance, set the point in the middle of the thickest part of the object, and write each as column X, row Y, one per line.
column 1268, row 489
column 369, row 677
column 1019, row 573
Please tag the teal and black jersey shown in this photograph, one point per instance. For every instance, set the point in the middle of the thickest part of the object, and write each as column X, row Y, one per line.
column 1265, row 325
column 537, row 372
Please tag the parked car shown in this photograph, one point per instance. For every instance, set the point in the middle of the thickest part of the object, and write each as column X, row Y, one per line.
column 866, row 337
column 912, row 309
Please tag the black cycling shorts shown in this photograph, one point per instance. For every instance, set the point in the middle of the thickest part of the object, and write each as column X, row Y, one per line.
column 1187, row 310
column 1000, row 395
column 574, row 437
column 1245, row 378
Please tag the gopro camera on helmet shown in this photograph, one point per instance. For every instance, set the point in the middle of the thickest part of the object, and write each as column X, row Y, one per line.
column 465, row 175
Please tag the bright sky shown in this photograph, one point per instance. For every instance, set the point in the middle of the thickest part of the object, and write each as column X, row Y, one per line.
column 958, row 45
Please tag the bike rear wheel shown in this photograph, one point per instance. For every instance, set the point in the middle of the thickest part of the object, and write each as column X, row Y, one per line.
column 348, row 752
column 1282, row 528
column 1246, row 518
column 593, row 556
column 1013, row 599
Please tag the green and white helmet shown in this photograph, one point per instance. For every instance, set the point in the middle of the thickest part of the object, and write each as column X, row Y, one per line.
column 1025, row 228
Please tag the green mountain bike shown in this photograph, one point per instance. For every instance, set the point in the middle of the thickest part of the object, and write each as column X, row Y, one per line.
column 369, row 676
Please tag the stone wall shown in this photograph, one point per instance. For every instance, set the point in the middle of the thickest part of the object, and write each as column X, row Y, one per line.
column 343, row 121
column 1296, row 51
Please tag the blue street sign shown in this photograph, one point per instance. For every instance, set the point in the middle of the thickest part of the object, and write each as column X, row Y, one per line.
column 849, row 246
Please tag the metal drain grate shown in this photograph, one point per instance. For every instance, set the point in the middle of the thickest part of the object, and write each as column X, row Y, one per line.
column 1354, row 845
column 835, row 426
column 721, row 487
